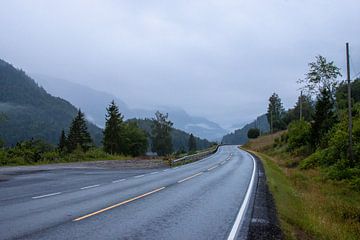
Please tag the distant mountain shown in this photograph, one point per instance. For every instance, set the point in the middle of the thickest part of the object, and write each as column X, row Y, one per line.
column 240, row 136
column 31, row 112
column 94, row 102
column 179, row 138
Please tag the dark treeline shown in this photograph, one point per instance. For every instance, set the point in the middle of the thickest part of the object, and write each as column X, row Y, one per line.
column 31, row 112
column 317, row 126
column 37, row 127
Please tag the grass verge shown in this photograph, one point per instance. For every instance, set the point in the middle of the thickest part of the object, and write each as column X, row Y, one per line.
column 309, row 205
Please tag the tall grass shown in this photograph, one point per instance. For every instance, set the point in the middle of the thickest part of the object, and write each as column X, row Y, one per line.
column 310, row 206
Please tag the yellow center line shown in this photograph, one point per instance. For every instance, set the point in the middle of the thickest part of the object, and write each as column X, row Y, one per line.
column 185, row 179
column 118, row 204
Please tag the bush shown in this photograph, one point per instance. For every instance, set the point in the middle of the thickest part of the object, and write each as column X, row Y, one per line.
column 253, row 133
column 299, row 134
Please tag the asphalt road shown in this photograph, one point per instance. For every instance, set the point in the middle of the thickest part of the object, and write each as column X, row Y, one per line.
column 208, row 199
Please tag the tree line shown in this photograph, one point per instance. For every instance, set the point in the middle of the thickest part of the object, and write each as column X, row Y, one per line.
column 122, row 137
column 317, row 126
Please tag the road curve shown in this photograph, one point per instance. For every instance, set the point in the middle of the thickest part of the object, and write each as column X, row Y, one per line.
column 208, row 199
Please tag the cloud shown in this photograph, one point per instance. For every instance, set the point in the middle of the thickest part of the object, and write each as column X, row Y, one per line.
column 218, row 59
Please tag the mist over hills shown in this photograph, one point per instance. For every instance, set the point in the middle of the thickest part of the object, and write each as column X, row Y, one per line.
column 94, row 102
column 31, row 112
column 239, row 136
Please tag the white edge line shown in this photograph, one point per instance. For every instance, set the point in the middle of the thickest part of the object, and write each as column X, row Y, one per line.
column 47, row 195
column 240, row 215
column 120, row 180
column 92, row 186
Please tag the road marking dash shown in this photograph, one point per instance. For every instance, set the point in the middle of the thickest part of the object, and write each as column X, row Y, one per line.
column 139, row 176
column 209, row 169
column 119, row 180
column 92, row 186
column 165, row 170
column 153, row 173
column 188, row 178
column 118, row 204
column 47, row 195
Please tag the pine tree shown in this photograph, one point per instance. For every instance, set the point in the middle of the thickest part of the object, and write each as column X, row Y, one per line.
column 161, row 138
column 276, row 113
column 62, row 141
column 253, row 133
column 192, row 143
column 113, row 139
column 324, row 117
column 78, row 134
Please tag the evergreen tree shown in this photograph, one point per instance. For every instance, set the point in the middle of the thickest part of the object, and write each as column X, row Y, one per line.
column 293, row 114
column 62, row 141
column 78, row 134
column 192, row 143
column 253, row 133
column 161, row 134
column 324, row 118
column 276, row 113
column 113, row 139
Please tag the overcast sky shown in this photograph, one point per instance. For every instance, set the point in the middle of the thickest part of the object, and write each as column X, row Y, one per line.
column 220, row 59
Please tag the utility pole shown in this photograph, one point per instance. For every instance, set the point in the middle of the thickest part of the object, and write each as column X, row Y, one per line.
column 349, row 106
column 271, row 122
column 301, row 98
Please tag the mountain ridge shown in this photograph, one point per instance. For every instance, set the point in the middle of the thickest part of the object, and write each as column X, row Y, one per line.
column 94, row 102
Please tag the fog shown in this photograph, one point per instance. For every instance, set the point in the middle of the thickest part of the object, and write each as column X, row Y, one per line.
column 217, row 59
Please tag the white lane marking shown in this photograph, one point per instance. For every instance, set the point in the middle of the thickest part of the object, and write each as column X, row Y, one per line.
column 209, row 169
column 235, row 229
column 139, row 176
column 188, row 178
column 165, row 170
column 92, row 186
column 153, row 173
column 223, row 162
column 119, row 180
column 47, row 195
column 175, row 168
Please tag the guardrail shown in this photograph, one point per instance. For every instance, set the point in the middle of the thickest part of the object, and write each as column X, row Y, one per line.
column 193, row 158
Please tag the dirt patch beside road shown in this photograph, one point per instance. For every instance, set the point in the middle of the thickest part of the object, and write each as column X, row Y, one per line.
column 6, row 172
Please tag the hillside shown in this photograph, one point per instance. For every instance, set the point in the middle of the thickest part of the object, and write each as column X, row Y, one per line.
column 31, row 112
column 93, row 102
column 179, row 137
column 240, row 136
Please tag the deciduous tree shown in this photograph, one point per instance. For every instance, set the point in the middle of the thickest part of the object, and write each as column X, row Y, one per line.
column 161, row 138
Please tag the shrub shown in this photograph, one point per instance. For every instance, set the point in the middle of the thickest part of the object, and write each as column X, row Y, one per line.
column 299, row 134
column 253, row 133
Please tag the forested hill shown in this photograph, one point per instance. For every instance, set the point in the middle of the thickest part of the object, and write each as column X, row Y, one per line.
column 239, row 136
column 179, row 138
column 30, row 112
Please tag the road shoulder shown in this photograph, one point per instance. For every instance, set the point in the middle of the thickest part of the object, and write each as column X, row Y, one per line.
column 264, row 223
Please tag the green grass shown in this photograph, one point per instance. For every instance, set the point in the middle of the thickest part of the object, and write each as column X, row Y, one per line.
column 310, row 206
column 22, row 158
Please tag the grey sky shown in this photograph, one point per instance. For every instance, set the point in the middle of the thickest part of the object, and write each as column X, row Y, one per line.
column 219, row 59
